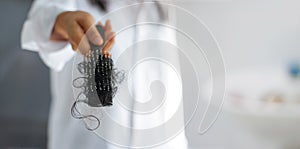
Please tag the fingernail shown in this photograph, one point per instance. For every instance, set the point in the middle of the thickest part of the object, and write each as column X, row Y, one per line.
column 98, row 40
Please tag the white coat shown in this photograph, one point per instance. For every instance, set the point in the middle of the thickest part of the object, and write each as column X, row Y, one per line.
column 64, row 131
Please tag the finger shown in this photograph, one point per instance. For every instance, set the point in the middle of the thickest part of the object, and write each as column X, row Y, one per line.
column 78, row 39
column 94, row 36
column 108, row 29
column 100, row 24
column 110, row 36
column 108, row 25
column 106, row 50
column 105, row 32
column 84, row 46
column 108, row 46
column 74, row 46
column 109, row 42
column 91, row 31
column 107, row 55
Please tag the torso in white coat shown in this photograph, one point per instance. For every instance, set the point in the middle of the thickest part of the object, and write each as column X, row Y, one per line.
column 65, row 132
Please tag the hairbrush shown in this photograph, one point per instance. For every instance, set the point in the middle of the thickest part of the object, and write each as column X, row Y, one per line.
column 100, row 87
column 100, row 80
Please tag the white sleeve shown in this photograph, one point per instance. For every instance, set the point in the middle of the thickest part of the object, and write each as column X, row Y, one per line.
column 37, row 30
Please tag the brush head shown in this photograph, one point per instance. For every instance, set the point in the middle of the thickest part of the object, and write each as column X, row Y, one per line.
column 101, row 78
column 100, row 87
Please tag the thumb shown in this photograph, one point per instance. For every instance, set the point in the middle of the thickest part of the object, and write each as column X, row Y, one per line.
column 91, row 31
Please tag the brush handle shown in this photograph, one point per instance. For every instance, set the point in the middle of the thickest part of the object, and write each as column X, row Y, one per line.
column 98, row 97
column 102, row 33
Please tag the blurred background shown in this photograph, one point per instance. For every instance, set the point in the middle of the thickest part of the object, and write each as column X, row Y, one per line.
column 24, row 79
column 261, row 49
column 259, row 40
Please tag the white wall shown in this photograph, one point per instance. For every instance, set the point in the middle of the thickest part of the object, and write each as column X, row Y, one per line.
column 251, row 34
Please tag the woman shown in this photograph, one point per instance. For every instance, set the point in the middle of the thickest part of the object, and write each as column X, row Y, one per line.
column 55, row 29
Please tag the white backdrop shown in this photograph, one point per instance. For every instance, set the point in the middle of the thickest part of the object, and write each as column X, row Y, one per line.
column 251, row 34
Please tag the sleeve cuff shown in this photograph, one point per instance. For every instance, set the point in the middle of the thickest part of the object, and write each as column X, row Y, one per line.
column 36, row 33
column 57, row 60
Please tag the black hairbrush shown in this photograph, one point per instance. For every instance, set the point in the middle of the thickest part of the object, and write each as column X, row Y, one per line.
column 100, row 81
column 100, row 85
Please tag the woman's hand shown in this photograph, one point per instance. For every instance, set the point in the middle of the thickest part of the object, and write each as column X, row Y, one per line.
column 78, row 28
column 109, row 36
